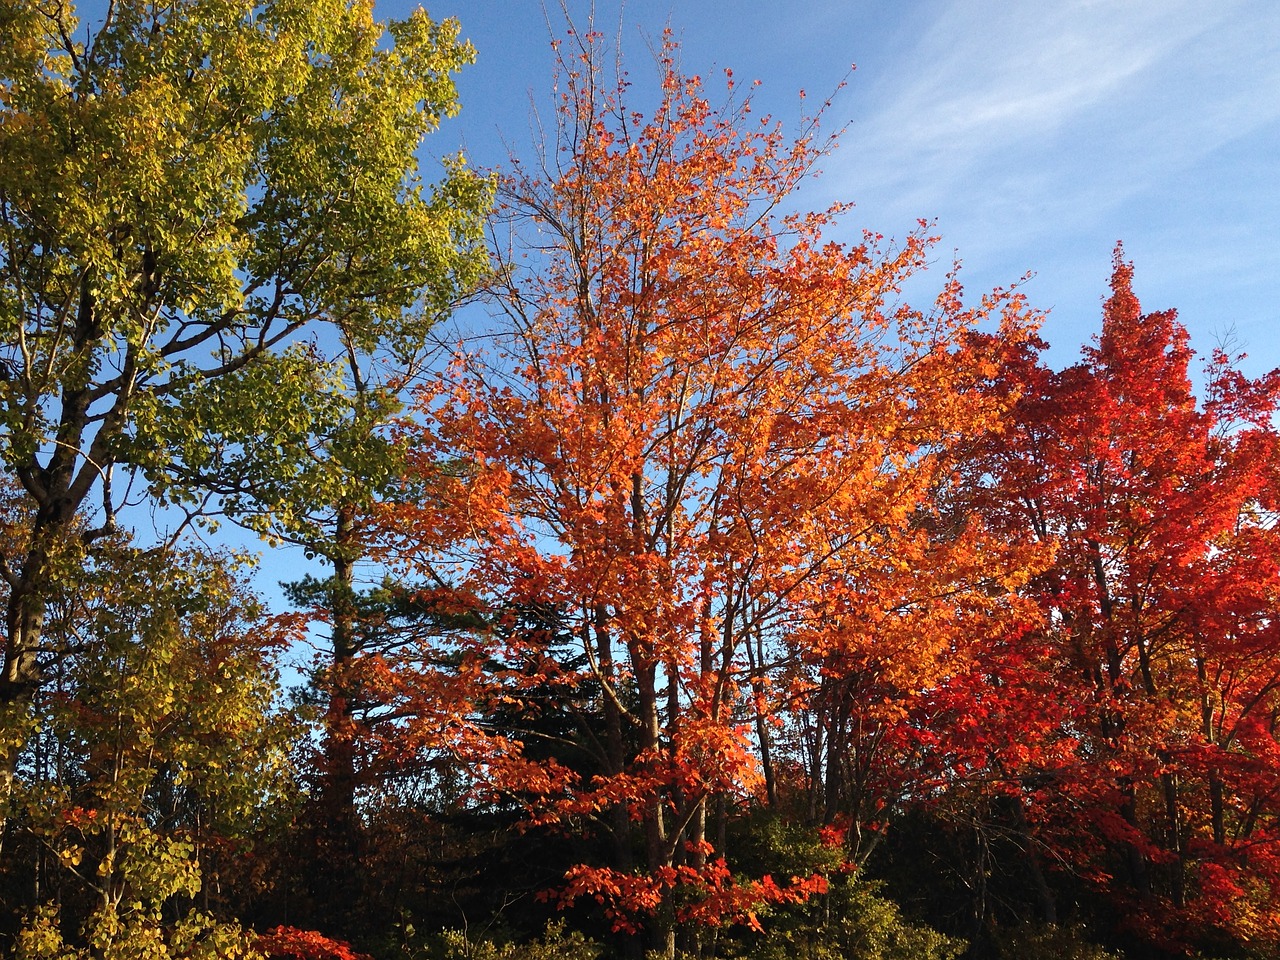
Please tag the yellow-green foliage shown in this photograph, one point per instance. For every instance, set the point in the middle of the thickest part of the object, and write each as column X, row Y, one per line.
column 1050, row 942
column 205, row 202
column 849, row 922
column 166, row 742
column 555, row 944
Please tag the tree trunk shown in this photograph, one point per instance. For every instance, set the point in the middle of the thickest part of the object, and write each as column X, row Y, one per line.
column 21, row 675
column 339, row 788
column 334, row 876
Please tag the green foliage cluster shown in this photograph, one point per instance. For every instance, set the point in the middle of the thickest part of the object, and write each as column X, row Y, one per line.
column 555, row 944
column 851, row 920
column 158, row 744
column 1050, row 942
column 213, row 232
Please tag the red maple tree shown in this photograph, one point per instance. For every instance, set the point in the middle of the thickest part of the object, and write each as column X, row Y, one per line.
column 1151, row 687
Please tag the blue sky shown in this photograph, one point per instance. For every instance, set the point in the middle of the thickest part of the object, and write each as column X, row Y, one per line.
column 1036, row 134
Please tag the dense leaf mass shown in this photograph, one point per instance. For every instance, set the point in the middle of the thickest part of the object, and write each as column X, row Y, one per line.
column 724, row 603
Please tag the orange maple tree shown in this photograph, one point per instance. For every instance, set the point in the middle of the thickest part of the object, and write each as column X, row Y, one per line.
column 708, row 438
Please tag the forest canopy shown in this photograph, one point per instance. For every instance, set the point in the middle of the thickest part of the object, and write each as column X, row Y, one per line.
column 728, row 600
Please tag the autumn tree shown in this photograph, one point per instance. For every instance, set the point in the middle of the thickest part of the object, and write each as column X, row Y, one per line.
column 1150, row 685
column 190, row 195
column 158, row 747
column 709, row 437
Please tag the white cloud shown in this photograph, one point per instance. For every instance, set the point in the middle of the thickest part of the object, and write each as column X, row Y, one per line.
column 1067, row 107
column 1039, row 133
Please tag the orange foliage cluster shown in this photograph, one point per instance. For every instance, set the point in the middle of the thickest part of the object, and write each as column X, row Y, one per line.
column 709, row 895
column 290, row 943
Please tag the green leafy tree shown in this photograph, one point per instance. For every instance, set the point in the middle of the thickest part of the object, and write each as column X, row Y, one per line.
column 851, row 919
column 158, row 747
column 195, row 199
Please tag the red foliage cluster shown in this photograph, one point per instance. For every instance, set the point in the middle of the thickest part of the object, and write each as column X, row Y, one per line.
column 706, row 896
column 290, row 943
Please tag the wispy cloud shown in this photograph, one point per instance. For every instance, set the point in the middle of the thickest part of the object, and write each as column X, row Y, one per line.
column 1013, row 117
